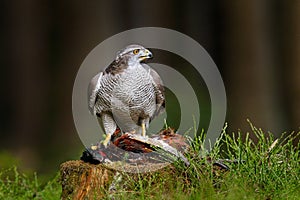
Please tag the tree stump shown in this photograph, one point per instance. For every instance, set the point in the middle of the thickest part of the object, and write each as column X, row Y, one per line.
column 95, row 174
column 82, row 180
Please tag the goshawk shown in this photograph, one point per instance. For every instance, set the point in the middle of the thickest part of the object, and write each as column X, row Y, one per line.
column 128, row 94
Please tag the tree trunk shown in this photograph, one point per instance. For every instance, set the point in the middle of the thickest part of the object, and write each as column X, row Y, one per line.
column 251, row 88
column 291, row 61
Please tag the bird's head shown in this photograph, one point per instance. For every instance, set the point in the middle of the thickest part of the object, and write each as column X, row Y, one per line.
column 134, row 53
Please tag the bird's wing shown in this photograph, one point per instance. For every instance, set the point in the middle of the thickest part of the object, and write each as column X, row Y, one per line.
column 93, row 88
column 159, row 92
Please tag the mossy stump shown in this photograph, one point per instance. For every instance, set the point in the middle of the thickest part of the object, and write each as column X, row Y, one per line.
column 82, row 180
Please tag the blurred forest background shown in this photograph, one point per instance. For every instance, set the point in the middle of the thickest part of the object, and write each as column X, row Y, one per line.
column 255, row 44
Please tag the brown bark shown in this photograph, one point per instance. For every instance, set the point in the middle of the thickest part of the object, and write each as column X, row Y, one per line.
column 82, row 180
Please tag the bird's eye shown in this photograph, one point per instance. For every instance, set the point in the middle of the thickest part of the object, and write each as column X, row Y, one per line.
column 136, row 51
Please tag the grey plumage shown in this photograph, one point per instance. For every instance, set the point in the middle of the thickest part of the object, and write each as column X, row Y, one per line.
column 128, row 94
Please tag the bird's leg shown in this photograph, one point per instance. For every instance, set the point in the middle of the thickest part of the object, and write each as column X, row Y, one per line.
column 109, row 126
column 107, row 140
column 144, row 126
column 143, row 129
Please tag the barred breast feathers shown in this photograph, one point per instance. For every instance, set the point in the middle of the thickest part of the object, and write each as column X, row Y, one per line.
column 138, row 88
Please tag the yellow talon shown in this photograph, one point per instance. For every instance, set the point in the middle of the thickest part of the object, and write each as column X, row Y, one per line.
column 107, row 140
column 94, row 147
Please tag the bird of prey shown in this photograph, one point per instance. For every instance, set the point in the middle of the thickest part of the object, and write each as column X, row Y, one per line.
column 128, row 94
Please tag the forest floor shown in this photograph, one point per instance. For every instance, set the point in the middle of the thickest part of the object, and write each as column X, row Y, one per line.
column 265, row 169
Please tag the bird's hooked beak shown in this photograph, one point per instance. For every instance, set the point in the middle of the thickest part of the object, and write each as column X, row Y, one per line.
column 145, row 54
